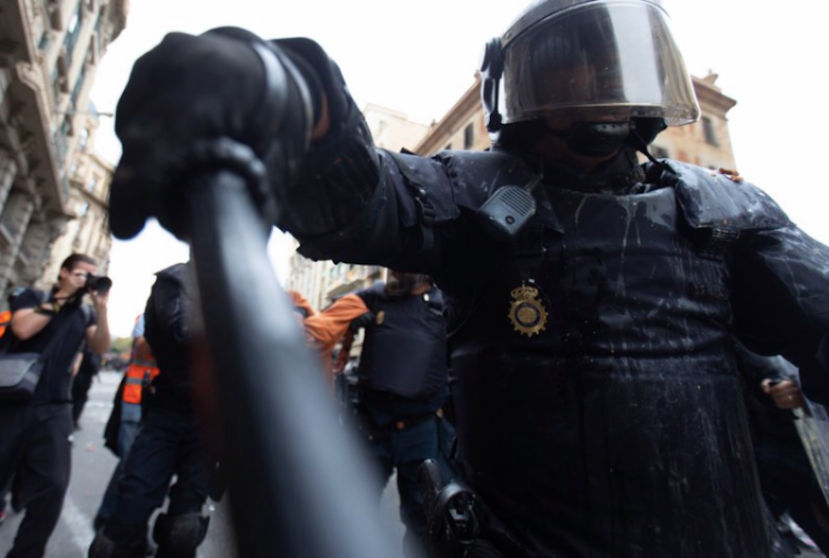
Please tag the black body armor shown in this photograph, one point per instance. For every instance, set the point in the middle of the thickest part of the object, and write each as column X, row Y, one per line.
column 404, row 352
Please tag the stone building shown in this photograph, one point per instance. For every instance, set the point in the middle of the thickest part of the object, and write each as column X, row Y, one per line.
column 49, row 53
column 87, row 231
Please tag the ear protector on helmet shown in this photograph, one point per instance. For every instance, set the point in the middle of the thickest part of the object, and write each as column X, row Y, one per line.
column 492, row 68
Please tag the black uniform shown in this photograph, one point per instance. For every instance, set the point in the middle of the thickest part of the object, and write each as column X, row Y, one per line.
column 403, row 383
column 597, row 396
column 82, row 382
column 786, row 477
column 34, row 435
column 169, row 442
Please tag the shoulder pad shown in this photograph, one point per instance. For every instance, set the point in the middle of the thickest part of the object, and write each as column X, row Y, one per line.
column 378, row 288
column 179, row 273
column 711, row 200
column 424, row 179
column 476, row 174
column 436, row 296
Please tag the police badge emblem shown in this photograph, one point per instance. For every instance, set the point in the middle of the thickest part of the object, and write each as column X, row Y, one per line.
column 526, row 312
column 380, row 317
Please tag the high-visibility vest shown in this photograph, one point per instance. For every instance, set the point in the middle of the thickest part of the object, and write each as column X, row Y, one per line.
column 141, row 371
column 5, row 320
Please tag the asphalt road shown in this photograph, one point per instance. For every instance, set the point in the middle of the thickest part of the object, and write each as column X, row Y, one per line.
column 92, row 466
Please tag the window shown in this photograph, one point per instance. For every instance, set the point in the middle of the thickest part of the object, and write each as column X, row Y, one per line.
column 72, row 32
column 44, row 41
column 448, row 146
column 84, row 139
column 708, row 130
column 91, row 182
column 468, row 136
column 76, row 91
column 82, row 209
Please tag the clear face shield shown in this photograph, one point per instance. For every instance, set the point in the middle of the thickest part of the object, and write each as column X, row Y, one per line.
column 607, row 61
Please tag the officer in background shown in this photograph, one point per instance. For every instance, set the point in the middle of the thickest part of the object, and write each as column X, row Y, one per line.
column 598, row 405
column 125, row 419
column 169, row 442
column 787, row 479
column 403, row 384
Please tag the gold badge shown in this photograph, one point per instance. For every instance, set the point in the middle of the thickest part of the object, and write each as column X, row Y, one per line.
column 527, row 313
column 380, row 317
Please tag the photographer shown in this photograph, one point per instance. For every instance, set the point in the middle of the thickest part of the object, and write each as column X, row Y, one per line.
column 35, row 433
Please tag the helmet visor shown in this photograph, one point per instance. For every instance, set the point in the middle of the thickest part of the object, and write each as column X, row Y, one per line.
column 608, row 59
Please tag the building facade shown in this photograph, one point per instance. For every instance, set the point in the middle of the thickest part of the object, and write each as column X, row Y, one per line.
column 87, row 230
column 49, row 53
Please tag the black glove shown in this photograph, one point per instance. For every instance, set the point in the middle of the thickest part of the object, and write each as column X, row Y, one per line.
column 190, row 91
column 362, row 321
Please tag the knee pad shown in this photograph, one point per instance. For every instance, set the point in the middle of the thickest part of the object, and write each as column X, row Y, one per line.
column 104, row 547
column 179, row 536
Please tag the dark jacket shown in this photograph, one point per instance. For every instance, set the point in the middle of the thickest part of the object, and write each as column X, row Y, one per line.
column 599, row 406
column 167, row 322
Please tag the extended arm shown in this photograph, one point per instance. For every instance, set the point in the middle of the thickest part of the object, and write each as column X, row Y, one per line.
column 782, row 301
column 30, row 315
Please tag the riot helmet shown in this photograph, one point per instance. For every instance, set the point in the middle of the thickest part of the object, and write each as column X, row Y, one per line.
column 597, row 67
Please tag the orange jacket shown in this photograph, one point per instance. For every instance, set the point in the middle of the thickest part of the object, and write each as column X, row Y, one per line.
column 5, row 320
column 324, row 330
column 141, row 371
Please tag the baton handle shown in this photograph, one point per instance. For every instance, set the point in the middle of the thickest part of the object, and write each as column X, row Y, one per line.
column 298, row 485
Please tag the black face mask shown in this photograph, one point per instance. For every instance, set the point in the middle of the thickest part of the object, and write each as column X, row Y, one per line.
column 595, row 139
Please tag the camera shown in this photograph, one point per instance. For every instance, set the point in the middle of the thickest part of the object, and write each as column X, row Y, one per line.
column 98, row 283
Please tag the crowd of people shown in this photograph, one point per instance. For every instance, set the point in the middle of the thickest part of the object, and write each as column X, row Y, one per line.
column 585, row 320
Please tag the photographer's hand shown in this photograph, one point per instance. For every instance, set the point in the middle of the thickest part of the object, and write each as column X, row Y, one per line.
column 97, row 336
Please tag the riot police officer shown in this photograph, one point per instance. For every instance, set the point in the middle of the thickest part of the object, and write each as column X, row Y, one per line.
column 593, row 303
column 169, row 442
column 403, row 385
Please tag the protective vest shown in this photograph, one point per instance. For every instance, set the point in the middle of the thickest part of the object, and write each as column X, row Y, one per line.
column 594, row 357
column 404, row 351
column 141, row 371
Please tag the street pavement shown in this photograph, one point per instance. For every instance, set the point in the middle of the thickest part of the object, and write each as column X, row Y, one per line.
column 92, row 466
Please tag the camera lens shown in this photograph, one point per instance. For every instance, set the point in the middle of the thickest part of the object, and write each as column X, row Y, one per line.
column 98, row 284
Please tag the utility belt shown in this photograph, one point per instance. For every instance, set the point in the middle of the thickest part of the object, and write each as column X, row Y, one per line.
column 374, row 432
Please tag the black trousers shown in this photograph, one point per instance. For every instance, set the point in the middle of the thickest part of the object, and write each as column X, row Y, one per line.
column 789, row 485
column 80, row 393
column 169, row 443
column 34, row 444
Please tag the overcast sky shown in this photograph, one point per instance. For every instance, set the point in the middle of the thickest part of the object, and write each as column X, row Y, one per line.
column 419, row 58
